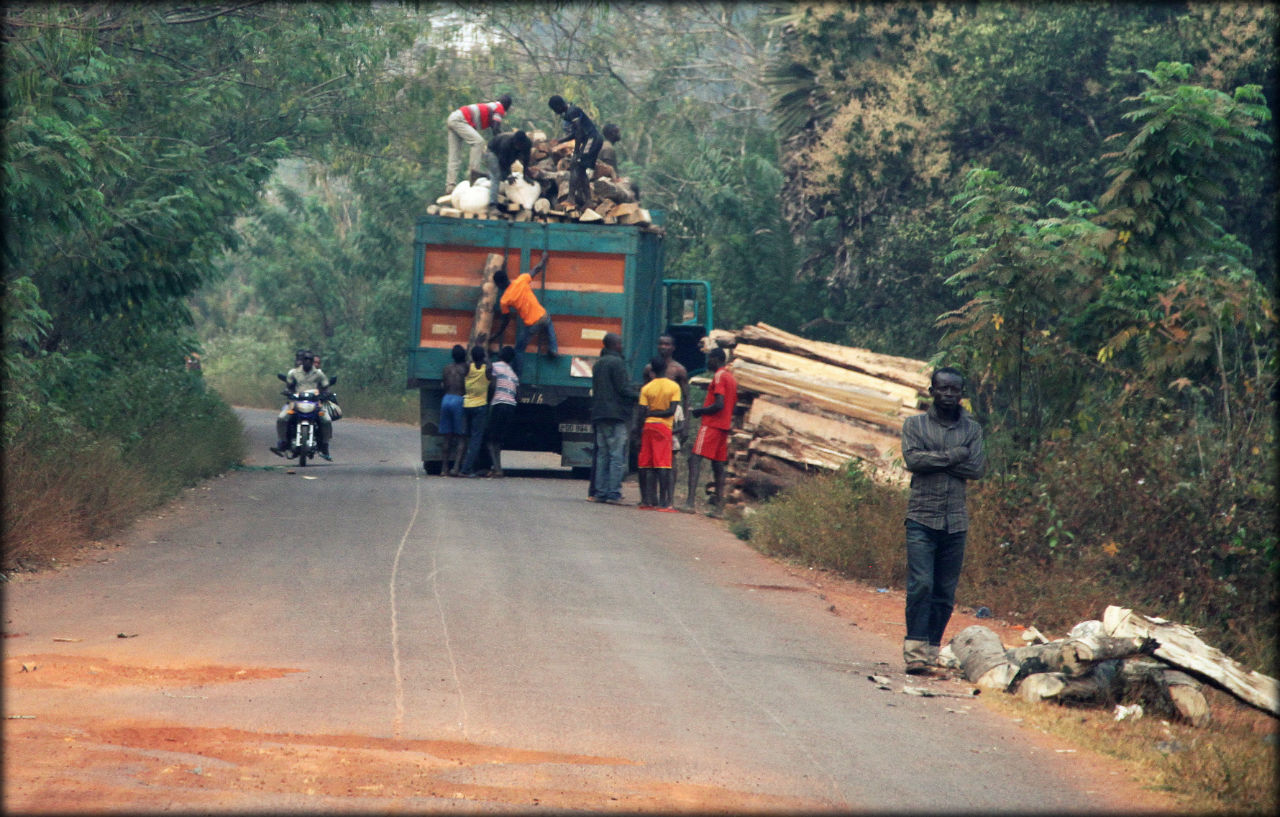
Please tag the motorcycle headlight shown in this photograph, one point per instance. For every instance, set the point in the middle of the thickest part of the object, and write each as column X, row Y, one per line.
column 306, row 406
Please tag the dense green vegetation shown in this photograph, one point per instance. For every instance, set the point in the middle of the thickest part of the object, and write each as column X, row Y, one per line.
column 1074, row 202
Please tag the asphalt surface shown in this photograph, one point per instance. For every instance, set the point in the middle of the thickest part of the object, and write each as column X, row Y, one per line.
column 512, row 613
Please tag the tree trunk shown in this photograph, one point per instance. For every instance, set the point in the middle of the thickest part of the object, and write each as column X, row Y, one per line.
column 1180, row 646
column 982, row 658
column 483, row 321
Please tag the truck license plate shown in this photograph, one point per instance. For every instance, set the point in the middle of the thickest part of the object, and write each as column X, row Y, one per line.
column 575, row 428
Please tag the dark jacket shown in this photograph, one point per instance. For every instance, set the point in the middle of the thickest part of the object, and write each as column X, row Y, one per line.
column 612, row 394
column 942, row 456
column 508, row 147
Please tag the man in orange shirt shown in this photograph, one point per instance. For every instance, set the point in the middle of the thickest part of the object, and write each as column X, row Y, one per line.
column 659, row 399
column 531, row 318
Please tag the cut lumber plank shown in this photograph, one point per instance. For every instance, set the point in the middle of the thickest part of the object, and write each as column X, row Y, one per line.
column 772, row 417
column 1180, row 646
column 452, row 212
column 906, row 395
column 834, row 397
column 902, row 370
column 625, row 208
column 589, row 215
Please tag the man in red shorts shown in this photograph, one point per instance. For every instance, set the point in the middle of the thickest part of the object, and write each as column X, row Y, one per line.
column 712, row 442
column 658, row 400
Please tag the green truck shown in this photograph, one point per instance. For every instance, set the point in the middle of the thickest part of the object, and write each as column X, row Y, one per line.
column 598, row 279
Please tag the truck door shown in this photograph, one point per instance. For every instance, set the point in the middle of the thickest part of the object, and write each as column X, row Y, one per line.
column 689, row 319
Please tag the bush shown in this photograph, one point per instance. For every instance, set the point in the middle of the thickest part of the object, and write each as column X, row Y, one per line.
column 842, row 521
column 138, row 437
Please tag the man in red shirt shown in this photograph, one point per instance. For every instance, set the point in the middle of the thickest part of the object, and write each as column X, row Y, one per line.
column 463, row 131
column 712, row 442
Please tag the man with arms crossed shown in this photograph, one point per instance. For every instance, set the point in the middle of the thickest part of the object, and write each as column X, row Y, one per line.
column 942, row 449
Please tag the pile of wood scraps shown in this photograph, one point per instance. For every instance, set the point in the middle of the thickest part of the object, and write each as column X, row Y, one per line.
column 544, row 196
column 1137, row 663
column 806, row 405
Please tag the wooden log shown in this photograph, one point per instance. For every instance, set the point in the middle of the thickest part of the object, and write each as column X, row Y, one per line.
column 982, row 657
column 451, row 212
column 1075, row 657
column 758, row 485
column 1164, row 690
column 482, row 322
column 541, row 206
column 625, row 209
column 589, row 215
column 901, row 370
column 1180, row 646
column 886, row 390
column 433, row 209
column 620, row 190
column 719, row 337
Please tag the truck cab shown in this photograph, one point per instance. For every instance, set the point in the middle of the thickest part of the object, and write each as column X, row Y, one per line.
column 598, row 279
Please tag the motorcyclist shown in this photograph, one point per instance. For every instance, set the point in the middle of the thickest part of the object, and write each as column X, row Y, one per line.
column 306, row 376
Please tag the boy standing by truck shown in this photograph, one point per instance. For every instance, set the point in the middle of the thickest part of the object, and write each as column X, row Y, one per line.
column 659, row 399
column 453, row 426
column 712, row 442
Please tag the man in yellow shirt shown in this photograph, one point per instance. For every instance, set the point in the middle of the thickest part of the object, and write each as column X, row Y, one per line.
column 531, row 317
column 658, row 399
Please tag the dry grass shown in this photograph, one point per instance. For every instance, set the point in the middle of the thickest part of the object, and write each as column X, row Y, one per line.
column 1228, row 767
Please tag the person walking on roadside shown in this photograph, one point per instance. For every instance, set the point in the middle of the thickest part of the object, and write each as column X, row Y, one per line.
column 942, row 449
column 659, row 400
column 506, row 385
column 475, row 407
column 612, row 395
column 453, row 425
column 712, row 442
column 463, row 128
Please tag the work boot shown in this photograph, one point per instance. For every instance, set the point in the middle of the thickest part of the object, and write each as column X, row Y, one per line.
column 916, row 655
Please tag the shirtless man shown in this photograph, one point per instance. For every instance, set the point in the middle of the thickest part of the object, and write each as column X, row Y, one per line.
column 453, row 426
column 677, row 372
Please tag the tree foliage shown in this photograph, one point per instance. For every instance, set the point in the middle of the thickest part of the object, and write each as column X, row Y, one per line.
column 885, row 107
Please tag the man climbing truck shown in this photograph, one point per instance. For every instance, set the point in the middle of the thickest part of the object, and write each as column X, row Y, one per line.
column 596, row 279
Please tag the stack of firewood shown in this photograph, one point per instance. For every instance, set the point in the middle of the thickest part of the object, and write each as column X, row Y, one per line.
column 1126, row 658
column 806, row 405
column 613, row 200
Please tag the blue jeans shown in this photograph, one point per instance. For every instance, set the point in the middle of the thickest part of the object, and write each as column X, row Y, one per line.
column 934, row 558
column 526, row 333
column 611, row 458
column 476, row 420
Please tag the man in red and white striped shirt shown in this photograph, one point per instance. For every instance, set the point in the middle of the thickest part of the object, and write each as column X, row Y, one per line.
column 464, row 126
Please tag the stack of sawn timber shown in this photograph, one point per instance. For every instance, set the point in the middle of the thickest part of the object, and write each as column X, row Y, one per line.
column 614, row 199
column 808, row 405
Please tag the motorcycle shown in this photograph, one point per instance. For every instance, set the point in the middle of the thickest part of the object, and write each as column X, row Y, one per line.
column 304, row 421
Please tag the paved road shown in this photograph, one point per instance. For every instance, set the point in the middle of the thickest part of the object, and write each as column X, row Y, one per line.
column 359, row 635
